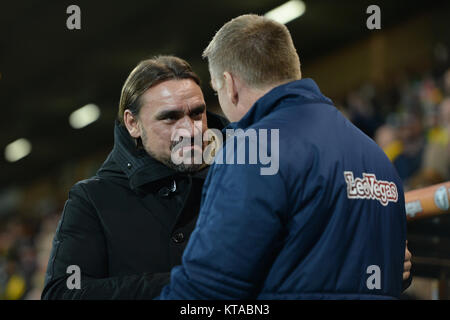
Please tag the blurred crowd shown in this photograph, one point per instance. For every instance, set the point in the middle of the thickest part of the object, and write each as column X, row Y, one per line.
column 410, row 122
column 25, row 246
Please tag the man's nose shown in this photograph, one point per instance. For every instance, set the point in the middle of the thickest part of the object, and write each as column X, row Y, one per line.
column 190, row 126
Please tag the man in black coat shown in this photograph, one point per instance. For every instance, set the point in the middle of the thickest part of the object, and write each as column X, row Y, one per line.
column 126, row 227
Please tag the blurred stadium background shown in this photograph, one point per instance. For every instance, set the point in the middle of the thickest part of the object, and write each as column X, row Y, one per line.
column 393, row 83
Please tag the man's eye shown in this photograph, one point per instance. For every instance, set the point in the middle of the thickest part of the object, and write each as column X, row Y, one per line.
column 169, row 119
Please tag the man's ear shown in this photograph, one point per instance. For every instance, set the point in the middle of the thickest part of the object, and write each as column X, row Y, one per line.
column 132, row 124
column 230, row 87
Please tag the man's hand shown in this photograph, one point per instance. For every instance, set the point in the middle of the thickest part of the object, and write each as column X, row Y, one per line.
column 407, row 264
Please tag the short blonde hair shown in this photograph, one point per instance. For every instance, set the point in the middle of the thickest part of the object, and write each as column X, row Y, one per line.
column 257, row 49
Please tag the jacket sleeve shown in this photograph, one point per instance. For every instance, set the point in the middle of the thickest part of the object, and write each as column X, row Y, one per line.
column 238, row 232
column 79, row 241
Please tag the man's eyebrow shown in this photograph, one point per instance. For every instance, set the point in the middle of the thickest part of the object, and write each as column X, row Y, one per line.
column 166, row 114
column 198, row 109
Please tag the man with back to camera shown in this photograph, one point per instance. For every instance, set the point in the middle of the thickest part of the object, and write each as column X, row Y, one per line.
column 328, row 224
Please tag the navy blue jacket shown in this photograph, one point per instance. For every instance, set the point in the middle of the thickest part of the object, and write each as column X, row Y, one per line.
column 329, row 224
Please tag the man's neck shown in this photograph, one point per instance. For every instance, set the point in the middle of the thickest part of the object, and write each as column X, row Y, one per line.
column 251, row 95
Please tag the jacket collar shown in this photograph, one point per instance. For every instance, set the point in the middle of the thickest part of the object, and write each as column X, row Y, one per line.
column 139, row 167
column 304, row 91
column 135, row 166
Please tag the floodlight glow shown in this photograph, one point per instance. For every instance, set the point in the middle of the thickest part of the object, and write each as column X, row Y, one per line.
column 84, row 116
column 17, row 150
column 287, row 12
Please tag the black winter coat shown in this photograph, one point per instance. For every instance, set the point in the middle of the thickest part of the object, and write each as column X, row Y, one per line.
column 126, row 227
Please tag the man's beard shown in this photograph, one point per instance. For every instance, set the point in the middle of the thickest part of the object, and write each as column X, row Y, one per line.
column 167, row 161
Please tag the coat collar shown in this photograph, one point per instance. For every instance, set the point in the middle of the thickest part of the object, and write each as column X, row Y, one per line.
column 136, row 167
column 139, row 167
column 304, row 90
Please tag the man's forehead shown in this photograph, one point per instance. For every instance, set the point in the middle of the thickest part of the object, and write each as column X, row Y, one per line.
column 173, row 94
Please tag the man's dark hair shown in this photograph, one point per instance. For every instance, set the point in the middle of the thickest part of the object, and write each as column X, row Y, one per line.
column 149, row 73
